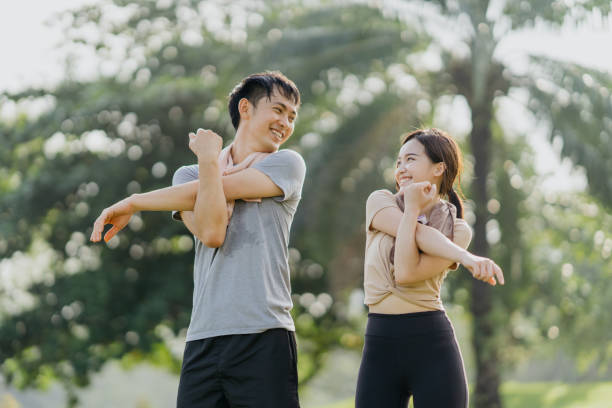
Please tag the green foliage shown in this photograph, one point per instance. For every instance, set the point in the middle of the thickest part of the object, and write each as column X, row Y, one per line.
column 576, row 102
column 75, row 305
column 529, row 13
column 101, row 140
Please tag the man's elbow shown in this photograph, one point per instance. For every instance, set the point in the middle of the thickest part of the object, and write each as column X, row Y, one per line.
column 213, row 239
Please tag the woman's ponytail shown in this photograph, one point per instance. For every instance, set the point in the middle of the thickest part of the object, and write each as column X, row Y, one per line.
column 454, row 199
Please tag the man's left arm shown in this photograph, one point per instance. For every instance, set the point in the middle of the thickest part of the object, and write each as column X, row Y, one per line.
column 246, row 184
column 210, row 208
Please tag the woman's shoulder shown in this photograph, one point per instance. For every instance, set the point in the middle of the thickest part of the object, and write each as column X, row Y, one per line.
column 377, row 201
column 462, row 233
column 462, row 223
column 380, row 194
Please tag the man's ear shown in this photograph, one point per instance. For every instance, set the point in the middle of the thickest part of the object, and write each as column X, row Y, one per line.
column 439, row 170
column 244, row 108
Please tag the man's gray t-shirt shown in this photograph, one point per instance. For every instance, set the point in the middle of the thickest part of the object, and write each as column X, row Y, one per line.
column 243, row 286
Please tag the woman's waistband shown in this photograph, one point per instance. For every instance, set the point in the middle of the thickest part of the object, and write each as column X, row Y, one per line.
column 408, row 324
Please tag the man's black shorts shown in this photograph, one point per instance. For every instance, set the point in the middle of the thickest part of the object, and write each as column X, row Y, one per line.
column 242, row 370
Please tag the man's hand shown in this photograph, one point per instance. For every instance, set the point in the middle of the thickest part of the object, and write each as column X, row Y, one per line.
column 205, row 144
column 118, row 215
column 483, row 269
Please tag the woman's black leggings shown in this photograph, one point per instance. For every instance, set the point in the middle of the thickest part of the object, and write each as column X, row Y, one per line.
column 411, row 355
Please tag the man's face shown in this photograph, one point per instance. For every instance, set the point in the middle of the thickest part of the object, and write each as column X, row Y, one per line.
column 271, row 122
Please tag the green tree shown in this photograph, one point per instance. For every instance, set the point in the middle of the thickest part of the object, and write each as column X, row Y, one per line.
column 480, row 77
column 573, row 100
column 364, row 80
column 164, row 71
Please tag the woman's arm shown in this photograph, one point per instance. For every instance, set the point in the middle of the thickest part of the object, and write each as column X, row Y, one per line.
column 439, row 251
column 428, row 239
column 411, row 266
column 408, row 261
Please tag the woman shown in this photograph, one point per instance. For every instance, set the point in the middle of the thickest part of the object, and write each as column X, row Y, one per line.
column 410, row 348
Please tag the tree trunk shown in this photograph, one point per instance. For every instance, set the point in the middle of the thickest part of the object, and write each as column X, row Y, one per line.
column 486, row 393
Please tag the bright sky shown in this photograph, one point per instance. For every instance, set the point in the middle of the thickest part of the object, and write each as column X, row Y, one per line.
column 29, row 56
column 27, row 43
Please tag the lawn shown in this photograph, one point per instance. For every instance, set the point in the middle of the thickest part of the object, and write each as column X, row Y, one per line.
column 543, row 395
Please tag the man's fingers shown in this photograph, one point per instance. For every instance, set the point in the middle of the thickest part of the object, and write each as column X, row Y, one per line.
column 111, row 233
column 98, row 227
column 93, row 233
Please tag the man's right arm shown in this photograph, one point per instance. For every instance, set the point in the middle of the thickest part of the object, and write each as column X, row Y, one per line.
column 180, row 197
column 249, row 183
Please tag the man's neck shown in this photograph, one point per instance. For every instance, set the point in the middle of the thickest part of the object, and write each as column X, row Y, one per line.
column 242, row 147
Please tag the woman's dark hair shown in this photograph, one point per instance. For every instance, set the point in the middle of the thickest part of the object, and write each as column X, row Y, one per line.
column 440, row 147
column 256, row 86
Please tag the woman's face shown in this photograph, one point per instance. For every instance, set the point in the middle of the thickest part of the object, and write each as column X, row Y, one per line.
column 413, row 165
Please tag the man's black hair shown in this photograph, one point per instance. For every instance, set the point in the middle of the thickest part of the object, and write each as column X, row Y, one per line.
column 256, row 86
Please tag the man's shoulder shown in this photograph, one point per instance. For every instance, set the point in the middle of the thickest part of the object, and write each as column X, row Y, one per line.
column 290, row 152
column 286, row 163
column 288, row 155
column 185, row 173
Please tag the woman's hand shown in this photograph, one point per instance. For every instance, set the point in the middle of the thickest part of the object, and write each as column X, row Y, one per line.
column 418, row 194
column 118, row 215
column 483, row 269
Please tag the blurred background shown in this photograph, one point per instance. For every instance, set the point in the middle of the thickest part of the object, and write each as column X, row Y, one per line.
column 97, row 102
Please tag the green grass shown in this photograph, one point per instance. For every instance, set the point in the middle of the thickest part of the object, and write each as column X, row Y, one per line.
column 557, row 395
column 543, row 395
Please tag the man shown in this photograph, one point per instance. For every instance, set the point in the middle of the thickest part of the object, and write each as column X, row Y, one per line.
column 240, row 347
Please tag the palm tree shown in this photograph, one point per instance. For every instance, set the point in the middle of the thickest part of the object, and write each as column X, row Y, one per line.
column 130, row 127
column 362, row 86
column 574, row 100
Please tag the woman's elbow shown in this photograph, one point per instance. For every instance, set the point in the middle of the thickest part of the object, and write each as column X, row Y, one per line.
column 403, row 278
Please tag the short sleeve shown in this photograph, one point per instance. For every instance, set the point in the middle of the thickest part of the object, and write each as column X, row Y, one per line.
column 462, row 236
column 378, row 200
column 183, row 175
column 286, row 169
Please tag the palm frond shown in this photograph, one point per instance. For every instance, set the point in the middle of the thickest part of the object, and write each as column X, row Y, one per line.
column 576, row 101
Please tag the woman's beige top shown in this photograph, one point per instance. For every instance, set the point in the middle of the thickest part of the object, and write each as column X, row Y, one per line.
column 382, row 294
